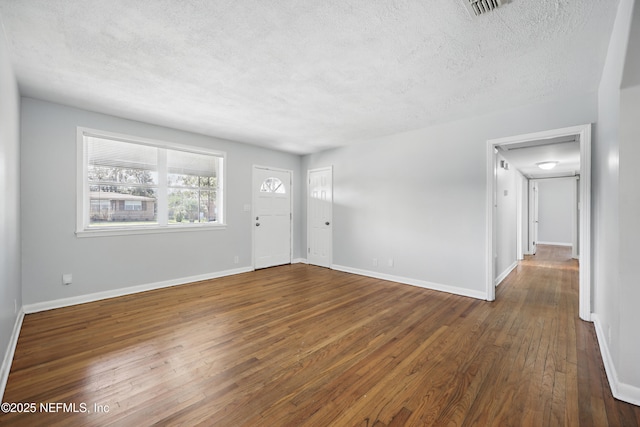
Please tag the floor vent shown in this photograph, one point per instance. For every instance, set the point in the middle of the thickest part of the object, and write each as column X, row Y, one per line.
column 480, row 7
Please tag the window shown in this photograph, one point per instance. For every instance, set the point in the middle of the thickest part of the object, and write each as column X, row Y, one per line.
column 272, row 185
column 100, row 205
column 134, row 184
column 132, row 205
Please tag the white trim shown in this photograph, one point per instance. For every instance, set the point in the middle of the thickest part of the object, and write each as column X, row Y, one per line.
column 299, row 261
column 584, row 131
column 414, row 282
column 555, row 243
column 620, row 391
column 585, row 304
column 490, row 256
column 575, row 221
column 5, row 368
column 82, row 187
column 519, row 211
column 97, row 296
column 505, row 273
column 533, row 210
column 150, row 230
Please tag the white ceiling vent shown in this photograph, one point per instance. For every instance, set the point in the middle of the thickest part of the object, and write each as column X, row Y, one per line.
column 480, row 7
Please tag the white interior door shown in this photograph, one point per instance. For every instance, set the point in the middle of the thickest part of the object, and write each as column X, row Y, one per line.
column 320, row 217
column 271, row 217
column 533, row 217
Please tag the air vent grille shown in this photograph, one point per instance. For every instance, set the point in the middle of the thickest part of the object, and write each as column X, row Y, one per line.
column 480, row 7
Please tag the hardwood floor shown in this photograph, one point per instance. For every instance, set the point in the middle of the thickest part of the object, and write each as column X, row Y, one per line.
column 301, row 345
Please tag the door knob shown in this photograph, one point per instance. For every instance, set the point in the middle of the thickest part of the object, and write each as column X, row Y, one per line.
column 326, row 223
column 257, row 224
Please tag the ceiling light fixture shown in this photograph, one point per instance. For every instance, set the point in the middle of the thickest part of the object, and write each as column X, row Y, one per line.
column 547, row 165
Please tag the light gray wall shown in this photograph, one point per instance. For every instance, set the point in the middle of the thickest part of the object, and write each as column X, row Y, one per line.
column 420, row 197
column 607, row 292
column 10, row 289
column 506, row 217
column 629, row 370
column 51, row 248
column 555, row 210
column 629, row 178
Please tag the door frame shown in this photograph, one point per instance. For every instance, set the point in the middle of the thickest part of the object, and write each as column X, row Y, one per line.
column 330, row 169
column 521, row 221
column 534, row 217
column 584, row 131
column 253, row 211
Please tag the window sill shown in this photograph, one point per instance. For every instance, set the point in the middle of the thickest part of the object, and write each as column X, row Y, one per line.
column 103, row 232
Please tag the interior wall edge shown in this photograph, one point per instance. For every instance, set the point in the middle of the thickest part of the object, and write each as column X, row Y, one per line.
column 621, row 391
column 5, row 368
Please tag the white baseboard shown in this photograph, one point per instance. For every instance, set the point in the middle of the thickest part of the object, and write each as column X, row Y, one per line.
column 414, row 282
column 505, row 273
column 555, row 243
column 81, row 299
column 8, row 355
column 621, row 391
column 299, row 261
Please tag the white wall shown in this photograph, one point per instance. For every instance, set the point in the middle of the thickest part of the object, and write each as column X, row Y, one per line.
column 100, row 264
column 506, row 218
column 420, row 197
column 614, row 183
column 629, row 367
column 555, row 210
column 10, row 290
column 629, row 222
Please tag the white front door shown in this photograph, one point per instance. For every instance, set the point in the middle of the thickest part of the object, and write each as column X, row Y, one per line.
column 320, row 217
column 271, row 219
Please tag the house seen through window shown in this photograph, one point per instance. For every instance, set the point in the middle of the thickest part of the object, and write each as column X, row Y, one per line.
column 135, row 184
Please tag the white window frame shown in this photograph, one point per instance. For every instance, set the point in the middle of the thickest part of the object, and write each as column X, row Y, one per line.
column 82, row 189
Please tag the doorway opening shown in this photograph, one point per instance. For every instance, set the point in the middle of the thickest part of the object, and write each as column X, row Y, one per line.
column 497, row 163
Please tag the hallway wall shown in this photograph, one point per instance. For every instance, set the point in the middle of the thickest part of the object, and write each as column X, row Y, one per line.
column 555, row 210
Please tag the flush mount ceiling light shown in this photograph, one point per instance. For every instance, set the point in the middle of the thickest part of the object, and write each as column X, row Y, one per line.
column 547, row 165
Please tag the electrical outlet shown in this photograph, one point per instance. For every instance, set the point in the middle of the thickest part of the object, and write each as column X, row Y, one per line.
column 390, row 262
column 375, row 262
column 236, row 259
column 67, row 279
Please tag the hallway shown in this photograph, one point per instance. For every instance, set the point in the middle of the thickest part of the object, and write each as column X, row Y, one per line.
column 567, row 367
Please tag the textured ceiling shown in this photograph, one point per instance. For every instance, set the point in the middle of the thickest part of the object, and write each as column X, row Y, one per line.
column 302, row 76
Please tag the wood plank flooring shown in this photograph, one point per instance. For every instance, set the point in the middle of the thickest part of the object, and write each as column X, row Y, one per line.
column 306, row 346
